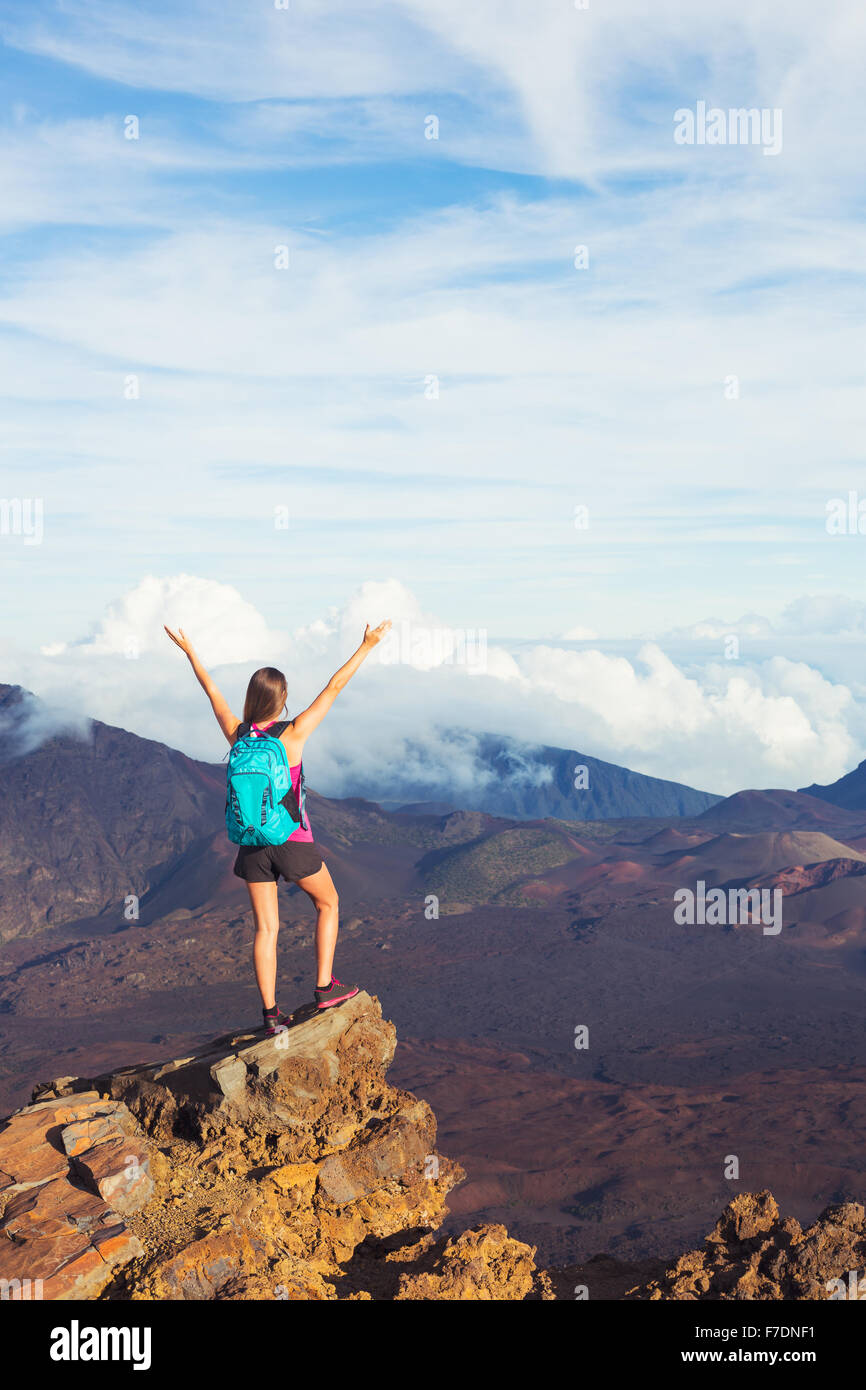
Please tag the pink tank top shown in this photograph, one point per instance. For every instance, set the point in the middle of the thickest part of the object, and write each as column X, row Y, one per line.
column 303, row 832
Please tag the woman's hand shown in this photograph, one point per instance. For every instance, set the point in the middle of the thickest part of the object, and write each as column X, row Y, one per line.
column 310, row 719
column 374, row 635
column 181, row 640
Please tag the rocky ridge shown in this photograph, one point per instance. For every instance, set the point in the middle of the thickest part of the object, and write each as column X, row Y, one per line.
column 258, row 1168
column 289, row 1168
column 754, row 1253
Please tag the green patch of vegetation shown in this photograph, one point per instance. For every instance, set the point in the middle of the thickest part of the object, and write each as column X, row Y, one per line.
column 487, row 869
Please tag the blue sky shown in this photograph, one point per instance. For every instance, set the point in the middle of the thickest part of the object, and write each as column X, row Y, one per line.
column 410, row 259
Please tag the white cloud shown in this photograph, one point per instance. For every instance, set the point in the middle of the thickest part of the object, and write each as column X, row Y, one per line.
column 240, row 52
column 557, row 386
column 222, row 626
column 774, row 722
column 824, row 613
column 809, row 615
column 564, row 70
column 28, row 725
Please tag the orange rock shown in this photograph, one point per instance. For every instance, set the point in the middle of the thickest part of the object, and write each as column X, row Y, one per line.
column 200, row 1270
column 109, row 1121
column 116, row 1244
column 752, row 1253
column 55, row 1230
column 25, row 1153
column 50, row 1211
column 483, row 1264
column 382, row 1153
column 83, row 1277
column 119, row 1170
column 295, row 1175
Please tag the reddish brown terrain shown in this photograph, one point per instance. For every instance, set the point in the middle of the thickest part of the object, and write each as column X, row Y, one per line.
column 702, row 1043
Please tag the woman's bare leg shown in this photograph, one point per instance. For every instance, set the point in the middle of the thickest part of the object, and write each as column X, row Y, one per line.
column 263, row 897
column 319, row 887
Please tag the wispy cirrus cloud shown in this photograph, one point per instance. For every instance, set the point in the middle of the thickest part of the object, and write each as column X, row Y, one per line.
column 433, row 385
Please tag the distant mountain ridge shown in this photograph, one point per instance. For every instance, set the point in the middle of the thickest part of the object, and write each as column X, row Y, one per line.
column 526, row 781
column 86, row 821
column 775, row 809
column 849, row 791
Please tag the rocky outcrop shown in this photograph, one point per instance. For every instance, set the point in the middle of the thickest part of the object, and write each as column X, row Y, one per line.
column 258, row 1168
column 754, row 1253
column 72, row 1170
column 803, row 878
column 311, row 1088
column 481, row 1264
column 287, row 1168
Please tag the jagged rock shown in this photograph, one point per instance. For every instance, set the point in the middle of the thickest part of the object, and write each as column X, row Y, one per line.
column 289, row 1151
column 256, row 1168
column 119, row 1170
column 104, row 1123
column 753, row 1253
column 395, row 1148
column 320, row 1080
column 484, row 1263
column 747, row 1216
column 295, row 1178
column 54, row 1227
column 205, row 1266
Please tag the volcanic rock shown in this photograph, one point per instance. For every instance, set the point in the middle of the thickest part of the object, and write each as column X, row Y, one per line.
column 280, row 1167
column 754, row 1253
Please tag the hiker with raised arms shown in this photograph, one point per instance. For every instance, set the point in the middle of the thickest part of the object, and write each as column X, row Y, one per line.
column 266, row 814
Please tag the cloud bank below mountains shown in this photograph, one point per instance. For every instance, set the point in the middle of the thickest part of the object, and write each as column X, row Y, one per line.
column 414, row 714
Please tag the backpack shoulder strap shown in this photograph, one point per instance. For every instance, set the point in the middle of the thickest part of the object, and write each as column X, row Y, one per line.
column 272, row 731
column 276, row 729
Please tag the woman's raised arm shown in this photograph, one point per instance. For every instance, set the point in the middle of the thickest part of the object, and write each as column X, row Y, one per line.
column 227, row 721
column 305, row 723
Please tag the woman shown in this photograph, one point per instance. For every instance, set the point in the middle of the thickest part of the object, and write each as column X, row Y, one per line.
column 297, row 860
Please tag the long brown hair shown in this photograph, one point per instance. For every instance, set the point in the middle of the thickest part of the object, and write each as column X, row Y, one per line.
column 266, row 691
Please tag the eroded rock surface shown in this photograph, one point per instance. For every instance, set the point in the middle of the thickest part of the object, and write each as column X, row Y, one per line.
column 754, row 1253
column 70, row 1171
column 481, row 1264
column 258, row 1168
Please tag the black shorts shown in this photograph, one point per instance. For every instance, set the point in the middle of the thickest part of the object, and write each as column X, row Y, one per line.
column 265, row 863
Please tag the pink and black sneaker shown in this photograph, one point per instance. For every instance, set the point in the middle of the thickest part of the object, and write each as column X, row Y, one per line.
column 336, row 993
column 275, row 1021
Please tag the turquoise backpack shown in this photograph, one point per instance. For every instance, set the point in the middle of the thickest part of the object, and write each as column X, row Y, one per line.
column 261, row 808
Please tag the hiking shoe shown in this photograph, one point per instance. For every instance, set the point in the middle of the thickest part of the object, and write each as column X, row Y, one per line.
column 335, row 993
column 275, row 1022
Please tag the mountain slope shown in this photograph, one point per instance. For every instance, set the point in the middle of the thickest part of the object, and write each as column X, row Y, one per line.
column 86, row 821
column 848, row 792
column 534, row 782
column 728, row 858
column 776, row 810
